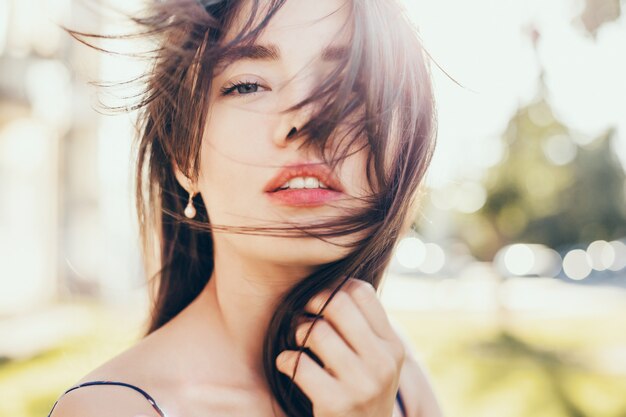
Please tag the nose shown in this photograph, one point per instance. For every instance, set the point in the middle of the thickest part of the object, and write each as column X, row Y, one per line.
column 292, row 122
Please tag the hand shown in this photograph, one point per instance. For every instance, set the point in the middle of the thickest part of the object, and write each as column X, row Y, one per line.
column 361, row 353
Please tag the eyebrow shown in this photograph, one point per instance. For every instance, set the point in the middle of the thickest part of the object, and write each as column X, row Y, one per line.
column 271, row 52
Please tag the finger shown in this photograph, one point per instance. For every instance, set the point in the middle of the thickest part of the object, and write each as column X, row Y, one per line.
column 366, row 298
column 337, row 356
column 347, row 319
column 312, row 379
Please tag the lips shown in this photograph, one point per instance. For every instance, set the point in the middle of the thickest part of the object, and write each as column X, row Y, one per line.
column 318, row 170
column 305, row 197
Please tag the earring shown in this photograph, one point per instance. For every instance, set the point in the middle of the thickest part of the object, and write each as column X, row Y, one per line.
column 190, row 210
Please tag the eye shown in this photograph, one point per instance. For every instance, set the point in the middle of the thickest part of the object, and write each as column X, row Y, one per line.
column 241, row 87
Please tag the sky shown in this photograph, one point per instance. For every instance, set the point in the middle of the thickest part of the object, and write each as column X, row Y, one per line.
column 486, row 47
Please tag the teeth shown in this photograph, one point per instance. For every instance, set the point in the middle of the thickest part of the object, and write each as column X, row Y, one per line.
column 303, row 182
column 311, row 182
column 297, row 182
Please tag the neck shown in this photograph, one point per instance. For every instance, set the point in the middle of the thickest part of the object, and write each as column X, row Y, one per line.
column 236, row 306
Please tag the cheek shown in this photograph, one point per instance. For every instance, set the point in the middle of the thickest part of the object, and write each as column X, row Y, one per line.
column 354, row 173
column 235, row 145
column 236, row 134
column 359, row 172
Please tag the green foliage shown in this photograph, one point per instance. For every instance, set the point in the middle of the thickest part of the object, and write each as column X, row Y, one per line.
column 34, row 384
column 537, row 196
column 598, row 12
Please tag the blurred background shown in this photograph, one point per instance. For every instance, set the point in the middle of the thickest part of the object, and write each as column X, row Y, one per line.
column 512, row 289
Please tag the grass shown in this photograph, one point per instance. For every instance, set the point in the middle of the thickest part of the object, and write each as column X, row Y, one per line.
column 530, row 367
column 34, row 384
column 533, row 367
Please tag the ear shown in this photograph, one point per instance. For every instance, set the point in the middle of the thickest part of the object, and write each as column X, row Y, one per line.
column 413, row 209
column 182, row 179
column 407, row 224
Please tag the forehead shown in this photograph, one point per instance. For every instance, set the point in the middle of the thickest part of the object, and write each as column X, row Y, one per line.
column 299, row 26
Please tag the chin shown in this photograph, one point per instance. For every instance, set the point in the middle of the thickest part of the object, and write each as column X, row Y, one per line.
column 293, row 252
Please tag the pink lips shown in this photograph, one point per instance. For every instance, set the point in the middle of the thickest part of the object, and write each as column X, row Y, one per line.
column 308, row 197
column 304, row 197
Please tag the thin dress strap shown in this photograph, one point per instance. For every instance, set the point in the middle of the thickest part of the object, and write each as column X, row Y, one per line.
column 124, row 384
column 154, row 404
column 401, row 403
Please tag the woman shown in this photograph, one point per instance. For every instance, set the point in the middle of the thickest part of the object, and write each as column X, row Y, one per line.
column 282, row 149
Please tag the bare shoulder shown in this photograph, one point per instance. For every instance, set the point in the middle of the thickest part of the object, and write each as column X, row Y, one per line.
column 102, row 401
column 99, row 400
column 415, row 385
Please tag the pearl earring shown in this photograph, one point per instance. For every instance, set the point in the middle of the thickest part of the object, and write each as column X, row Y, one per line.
column 190, row 210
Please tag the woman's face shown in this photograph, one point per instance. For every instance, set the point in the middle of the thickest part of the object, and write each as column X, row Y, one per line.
column 246, row 141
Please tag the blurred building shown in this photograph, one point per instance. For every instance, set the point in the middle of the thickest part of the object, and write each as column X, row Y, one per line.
column 65, row 223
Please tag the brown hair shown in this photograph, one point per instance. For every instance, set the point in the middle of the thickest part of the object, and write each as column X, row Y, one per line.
column 381, row 90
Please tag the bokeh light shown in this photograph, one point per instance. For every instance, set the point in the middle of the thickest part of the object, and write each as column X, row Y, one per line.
column 619, row 260
column 577, row 264
column 522, row 259
column 560, row 149
column 519, row 259
column 601, row 254
column 434, row 259
column 410, row 252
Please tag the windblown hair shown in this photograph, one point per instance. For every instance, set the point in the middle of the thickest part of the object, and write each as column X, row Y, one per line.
column 380, row 94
